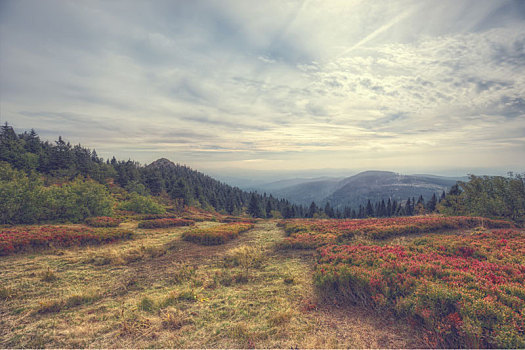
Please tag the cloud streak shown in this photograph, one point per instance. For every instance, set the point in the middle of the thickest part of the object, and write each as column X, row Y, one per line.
column 403, row 85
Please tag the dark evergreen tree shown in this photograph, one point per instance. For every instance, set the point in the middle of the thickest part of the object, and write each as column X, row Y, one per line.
column 312, row 210
column 180, row 190
column 328, row 210
column 361, row 213
column 269, row 209
column 431, row 204
column 347, row 212
column 409, row 209
column 369, row 209
column 254, row 207
column 389, row 208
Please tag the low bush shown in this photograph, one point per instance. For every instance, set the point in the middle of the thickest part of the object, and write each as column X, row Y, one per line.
column 309, row 234
column 244, row 256
column 216, row 234
column 102, row 221
column 466, row 291
column 22, row 238
column 162, row 223
column 142, row 205
column 25, row 200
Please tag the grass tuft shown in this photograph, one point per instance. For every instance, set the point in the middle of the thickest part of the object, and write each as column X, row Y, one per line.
column 173, row 319
column 48, row 276
column 147, row 304
column 244, row 256
column 6, row 293
column 280, row 318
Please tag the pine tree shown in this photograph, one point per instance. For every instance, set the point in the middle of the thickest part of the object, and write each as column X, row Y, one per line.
column 389, row 208
column 369, row 209
column 268, row 209
column 312, row 210
column 328, row 210
column 382, row 209
column 408, row 207
column 431, row 204
column 180, row 190
column 254, row 208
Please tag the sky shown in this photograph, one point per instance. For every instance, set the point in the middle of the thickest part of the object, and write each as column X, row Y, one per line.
column 233, row 87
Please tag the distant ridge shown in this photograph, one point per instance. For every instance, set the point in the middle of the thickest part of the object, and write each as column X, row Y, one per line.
column 358, row 189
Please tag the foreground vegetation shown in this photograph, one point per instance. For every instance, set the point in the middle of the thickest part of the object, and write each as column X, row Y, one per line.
column 308, row 234
column 465, row 290
column 25, row 238
column 218, row 234
column 238, row 287
column 158, row 290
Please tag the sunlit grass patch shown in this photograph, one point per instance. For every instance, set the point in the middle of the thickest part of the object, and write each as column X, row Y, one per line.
column 217, row 234
column 244, row 256
column 74, row 299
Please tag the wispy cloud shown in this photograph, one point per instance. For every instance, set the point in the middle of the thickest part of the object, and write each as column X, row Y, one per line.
column 279, row 84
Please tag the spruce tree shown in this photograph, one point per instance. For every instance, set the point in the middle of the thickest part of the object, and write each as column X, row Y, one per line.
column 254, row 208
column 369, row 209
column 312, row 210
column 431, row 204
column 268, row 209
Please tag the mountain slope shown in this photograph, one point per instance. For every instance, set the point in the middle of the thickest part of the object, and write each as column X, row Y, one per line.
column 378, row 185
column 358, row 189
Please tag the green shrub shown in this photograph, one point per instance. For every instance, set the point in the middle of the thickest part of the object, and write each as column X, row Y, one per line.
column 24, row 199
column 142, row 205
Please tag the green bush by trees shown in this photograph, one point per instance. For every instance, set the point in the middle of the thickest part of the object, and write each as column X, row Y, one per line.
column 142, row 205
column 487, row 196
column 25, row 200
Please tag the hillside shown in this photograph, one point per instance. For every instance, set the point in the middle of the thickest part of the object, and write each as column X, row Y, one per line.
column 60, row 163
column 358, row 189
column 378, row 185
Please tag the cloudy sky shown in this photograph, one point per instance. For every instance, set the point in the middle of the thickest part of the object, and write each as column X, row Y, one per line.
column 409, row 86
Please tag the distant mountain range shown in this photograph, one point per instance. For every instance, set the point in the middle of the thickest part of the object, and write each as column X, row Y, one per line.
column 358, row 189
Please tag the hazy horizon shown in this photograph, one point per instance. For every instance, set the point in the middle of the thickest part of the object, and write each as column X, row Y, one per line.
column 304, row 88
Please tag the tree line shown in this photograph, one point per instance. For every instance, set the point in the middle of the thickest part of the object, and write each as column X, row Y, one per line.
column 488, row 196
column 62, row 163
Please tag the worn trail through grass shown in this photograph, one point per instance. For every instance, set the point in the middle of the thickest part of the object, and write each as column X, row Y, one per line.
column 160, row 291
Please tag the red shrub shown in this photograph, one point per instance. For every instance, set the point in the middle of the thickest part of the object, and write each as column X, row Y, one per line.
column 103, row 221
column 162, row 223
column 30, row 237
column 332, row 230
column 468, row 291
column 217, row 234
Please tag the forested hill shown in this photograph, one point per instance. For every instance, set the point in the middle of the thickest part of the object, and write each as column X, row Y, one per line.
column 39, row 164
column 60, row 161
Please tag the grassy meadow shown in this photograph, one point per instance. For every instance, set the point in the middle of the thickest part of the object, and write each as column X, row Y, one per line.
column 158, row 290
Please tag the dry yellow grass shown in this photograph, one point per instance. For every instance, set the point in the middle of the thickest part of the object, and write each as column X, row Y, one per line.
column 159, row 291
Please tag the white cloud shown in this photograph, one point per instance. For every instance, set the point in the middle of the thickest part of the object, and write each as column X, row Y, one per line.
column 304, row 84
